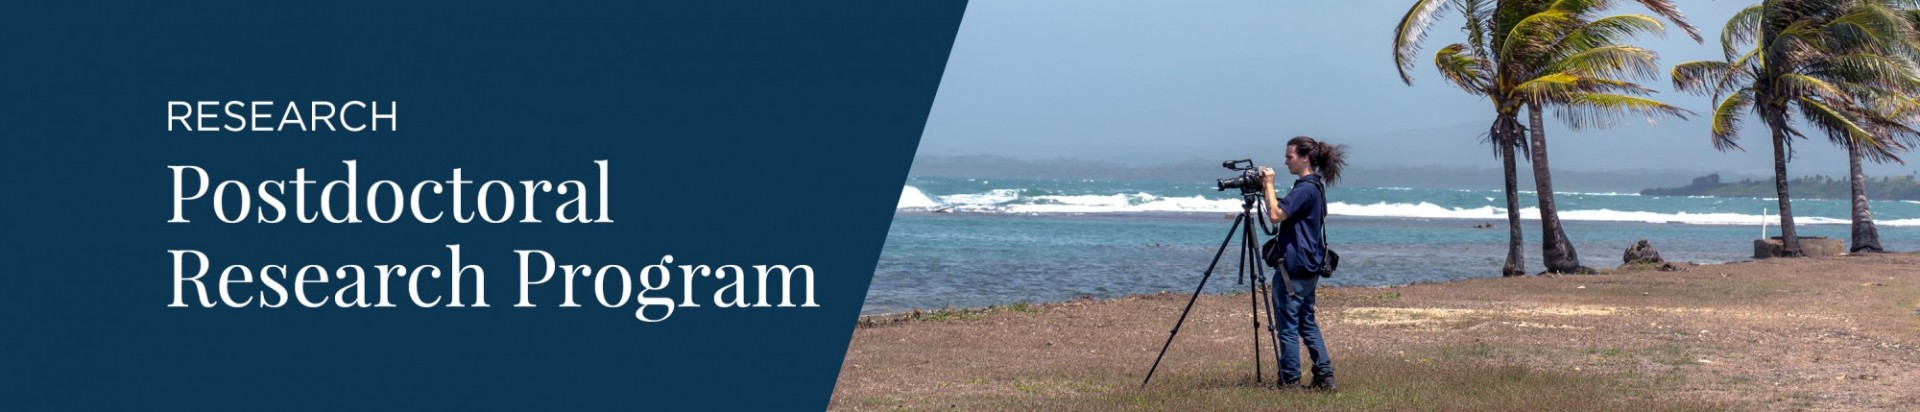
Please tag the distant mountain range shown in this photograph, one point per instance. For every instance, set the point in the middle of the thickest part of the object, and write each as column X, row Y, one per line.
column 1207, row 170
column 1811, row 187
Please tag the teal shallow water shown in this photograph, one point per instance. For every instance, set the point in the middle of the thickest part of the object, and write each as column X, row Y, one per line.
column 1001, row 242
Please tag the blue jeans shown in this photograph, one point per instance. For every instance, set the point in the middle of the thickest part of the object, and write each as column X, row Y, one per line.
column 1297, row 324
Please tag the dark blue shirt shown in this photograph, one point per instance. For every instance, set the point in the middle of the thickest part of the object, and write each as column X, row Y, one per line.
column 1300, row 234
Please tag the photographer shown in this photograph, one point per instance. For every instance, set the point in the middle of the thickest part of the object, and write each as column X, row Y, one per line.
column 1301, row 218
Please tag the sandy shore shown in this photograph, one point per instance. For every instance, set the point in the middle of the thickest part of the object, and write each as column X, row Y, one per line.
column 1837, row 333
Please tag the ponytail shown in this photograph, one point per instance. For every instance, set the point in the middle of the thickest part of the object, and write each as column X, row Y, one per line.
column 1328, row 159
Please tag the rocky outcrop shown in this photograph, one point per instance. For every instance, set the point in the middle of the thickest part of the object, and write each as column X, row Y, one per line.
column 1642, row 252
column 1642, row 255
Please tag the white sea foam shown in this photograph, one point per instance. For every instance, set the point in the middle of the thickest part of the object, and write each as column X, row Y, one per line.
column 1011, row 201
column 1430, row 211
column 1137, row 202
column 912, row 198
column 991, row 197
column 1560, row 193
column 1681, row 217
column 1898, row 222
column 1425, row 210
column 1116, row 201
column 1421, row 210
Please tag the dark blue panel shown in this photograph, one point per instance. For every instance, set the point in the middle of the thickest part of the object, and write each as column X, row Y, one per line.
column 744, row 133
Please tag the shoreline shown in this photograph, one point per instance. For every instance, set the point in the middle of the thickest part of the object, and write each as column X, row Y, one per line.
column 1820, row 333
column 910, row 314
column 949, row 261
column 878, row 319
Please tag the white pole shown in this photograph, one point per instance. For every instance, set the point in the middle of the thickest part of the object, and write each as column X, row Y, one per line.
column 1763, row 223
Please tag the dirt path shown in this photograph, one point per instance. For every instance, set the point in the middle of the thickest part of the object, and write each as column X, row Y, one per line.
column 1830, row 334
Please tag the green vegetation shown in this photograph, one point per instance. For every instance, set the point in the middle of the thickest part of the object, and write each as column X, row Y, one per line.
column 1817, row 187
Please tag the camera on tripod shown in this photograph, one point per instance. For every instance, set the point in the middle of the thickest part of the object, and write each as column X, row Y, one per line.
column 1249, row 179
column 1249, row 265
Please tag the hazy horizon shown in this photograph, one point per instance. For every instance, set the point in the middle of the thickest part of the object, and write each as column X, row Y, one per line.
column 1144, row 83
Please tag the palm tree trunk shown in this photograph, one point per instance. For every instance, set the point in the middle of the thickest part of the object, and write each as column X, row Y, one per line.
column 1789, row 241
column 1556, row 251
column 1865, row 236
column 1506, row 134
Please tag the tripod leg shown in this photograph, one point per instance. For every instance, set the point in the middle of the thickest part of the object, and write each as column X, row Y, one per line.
column 1261, row 285
column 1273, row 323
column 1263, row 298
column 1250, row 267
column 1196, row 296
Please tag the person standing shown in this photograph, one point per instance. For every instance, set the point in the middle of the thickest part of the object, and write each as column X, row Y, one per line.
column 1301, row 217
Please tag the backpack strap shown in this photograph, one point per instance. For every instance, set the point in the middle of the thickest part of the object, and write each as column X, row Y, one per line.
column 1325, row 247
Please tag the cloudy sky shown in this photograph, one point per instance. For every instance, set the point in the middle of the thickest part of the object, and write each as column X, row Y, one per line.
column 1139, row 81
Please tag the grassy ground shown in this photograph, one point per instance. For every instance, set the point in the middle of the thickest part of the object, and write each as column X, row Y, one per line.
column 1830, row 334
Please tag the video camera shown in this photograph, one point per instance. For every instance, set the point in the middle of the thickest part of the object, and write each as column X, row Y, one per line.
column 1249, row 179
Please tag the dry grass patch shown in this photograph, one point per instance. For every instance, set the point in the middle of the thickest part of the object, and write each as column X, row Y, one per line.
column 1446, row 380
column 1793, row 334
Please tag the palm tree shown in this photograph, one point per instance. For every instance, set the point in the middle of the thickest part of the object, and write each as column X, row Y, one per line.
column 1580, row 72
column 1535, row 53
column 1865, row 236
column 1471, row 67
column 1844, row 66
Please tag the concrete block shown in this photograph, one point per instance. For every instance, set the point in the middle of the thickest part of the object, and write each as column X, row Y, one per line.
column 1812, row 246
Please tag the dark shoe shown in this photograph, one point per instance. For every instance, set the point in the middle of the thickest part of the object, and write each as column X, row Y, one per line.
column 1291, row 386
column 1322, row 383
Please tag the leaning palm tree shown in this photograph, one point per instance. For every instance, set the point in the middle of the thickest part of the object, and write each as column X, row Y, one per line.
column 1865, row 237
column 1583, row 70
column 1534, row 53
column 1896, row 104
column 1890, row 99
column 1845, row 67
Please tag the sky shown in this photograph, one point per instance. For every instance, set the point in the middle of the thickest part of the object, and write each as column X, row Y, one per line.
column 1148, row 82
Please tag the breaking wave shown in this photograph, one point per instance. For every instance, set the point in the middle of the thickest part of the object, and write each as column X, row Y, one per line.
column 912, row 198
column 1015, row 201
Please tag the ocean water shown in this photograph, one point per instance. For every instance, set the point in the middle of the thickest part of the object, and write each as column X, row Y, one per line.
column 974, row 242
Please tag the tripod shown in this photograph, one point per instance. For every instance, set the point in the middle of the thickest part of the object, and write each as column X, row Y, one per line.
column 1249, row 253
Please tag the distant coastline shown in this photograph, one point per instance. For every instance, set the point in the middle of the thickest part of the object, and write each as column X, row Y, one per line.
column 1663, row 182
column 1809, row 187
